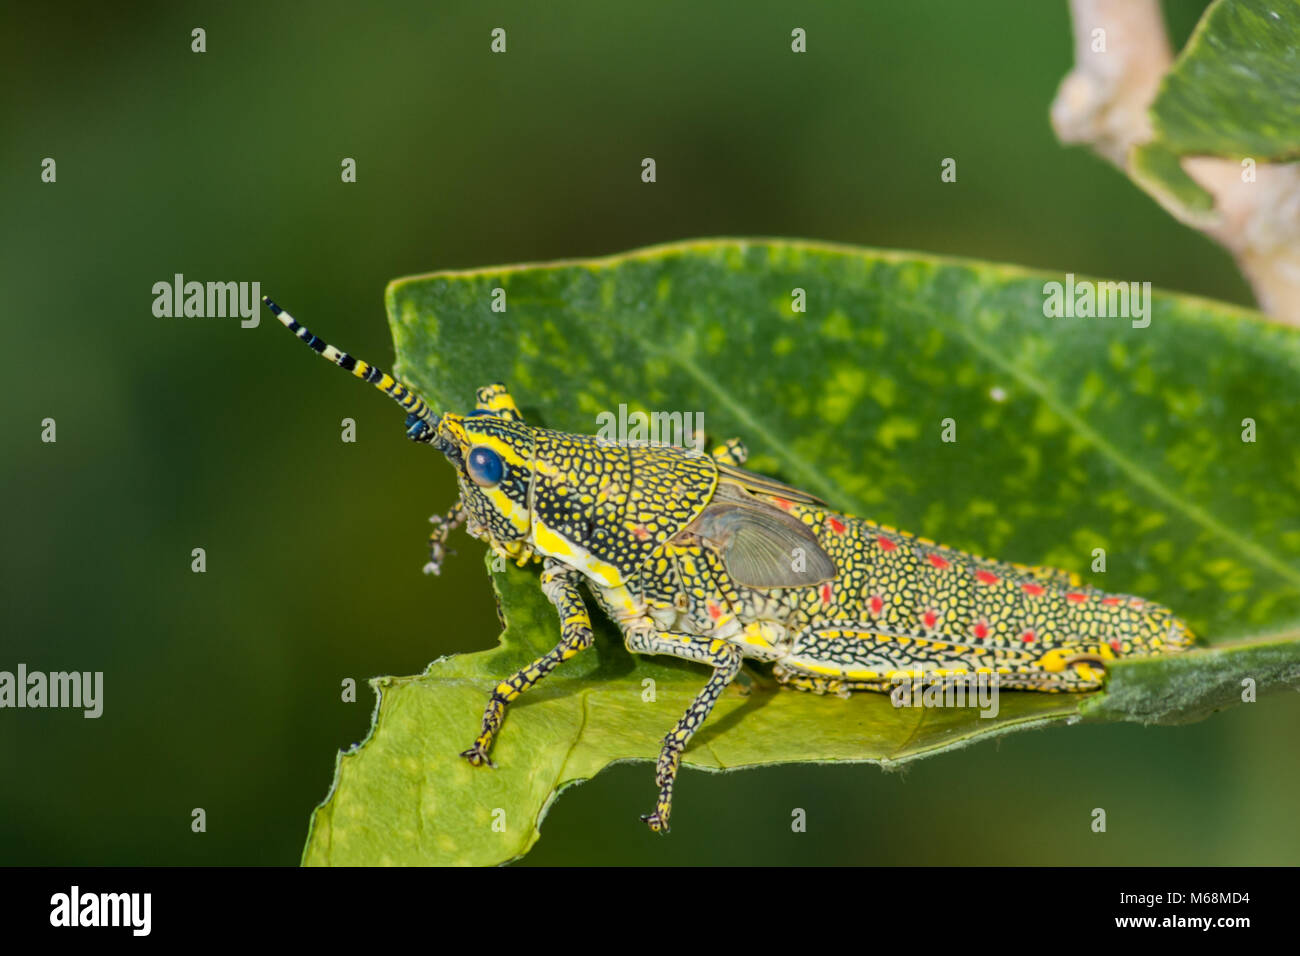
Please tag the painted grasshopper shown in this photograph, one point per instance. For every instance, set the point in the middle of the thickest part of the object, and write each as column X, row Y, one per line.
column 695, row 557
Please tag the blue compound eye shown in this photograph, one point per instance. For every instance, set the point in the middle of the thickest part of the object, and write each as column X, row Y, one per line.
column 485, row 467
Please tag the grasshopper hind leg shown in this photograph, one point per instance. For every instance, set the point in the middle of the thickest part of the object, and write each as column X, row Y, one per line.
column 1079, row 674
column 839, row 686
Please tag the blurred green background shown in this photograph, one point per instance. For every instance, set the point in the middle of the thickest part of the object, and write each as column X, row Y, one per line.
column 223, row 689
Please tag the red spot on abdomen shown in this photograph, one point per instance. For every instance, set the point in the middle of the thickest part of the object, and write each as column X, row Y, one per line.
column 1076, row 597
column 877, row 604
column 930, row 619
column 986, row 577
column 1112, row 601
column 1114, row 646
column 886, row 544
column 981, row 630
column 715, row 612
column 826, row 594
column 783, row 504
column 837, row 526
column 1027, row 637
column 1034, row 590
column 938, row 561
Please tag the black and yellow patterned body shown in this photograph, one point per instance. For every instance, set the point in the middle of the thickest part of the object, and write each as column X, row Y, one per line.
column 692, row 556
column 898, row 607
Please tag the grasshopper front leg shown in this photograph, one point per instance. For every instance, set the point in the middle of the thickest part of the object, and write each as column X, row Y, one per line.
column 443, row 525
column 560, row 585
column 725, row 659
column 496, row 399
column 731, row 452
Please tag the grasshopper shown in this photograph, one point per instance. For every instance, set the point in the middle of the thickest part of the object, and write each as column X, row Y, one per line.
column 693, row 556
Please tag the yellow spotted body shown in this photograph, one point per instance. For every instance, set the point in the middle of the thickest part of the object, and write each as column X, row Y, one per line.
column 898, row 607
column 694, row 557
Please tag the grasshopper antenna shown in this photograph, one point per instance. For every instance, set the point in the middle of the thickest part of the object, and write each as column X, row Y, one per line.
column 421, row 422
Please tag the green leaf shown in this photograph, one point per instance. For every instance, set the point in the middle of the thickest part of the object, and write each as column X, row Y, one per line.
column 1156, row 169
column 1235, row 89
column 1073, row 434
column 1234, row 92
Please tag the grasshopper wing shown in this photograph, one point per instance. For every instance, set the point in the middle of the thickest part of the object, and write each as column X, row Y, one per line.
column 763, row 485
column 761, row 545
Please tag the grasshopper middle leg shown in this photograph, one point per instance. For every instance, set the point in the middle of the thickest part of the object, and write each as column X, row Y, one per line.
column 725, row 659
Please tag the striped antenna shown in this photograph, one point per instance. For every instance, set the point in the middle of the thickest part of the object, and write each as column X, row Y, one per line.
column 421, row 422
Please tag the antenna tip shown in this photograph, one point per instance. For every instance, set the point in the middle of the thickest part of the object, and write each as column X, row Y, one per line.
column 275, row 309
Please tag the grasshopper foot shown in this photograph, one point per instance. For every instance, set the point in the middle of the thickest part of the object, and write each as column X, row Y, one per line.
column 657, row 821
column 443, row 525
column 478, row 757
column 437, row 553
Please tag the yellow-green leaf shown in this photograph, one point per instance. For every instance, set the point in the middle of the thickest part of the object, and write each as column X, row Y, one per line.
column 1234, row 92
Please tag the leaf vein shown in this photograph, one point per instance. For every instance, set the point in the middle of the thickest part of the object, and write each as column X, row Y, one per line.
column 1260, row 555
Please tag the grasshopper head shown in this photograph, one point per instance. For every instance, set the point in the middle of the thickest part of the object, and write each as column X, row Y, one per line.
column 491, row 447
column 492, row 455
